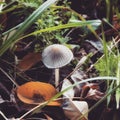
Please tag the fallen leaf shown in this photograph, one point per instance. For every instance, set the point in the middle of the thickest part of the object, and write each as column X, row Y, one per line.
column 37, row 92
column 75, row 110
column 87, row 87
column 94, row 94
column 70, row 92
column 28, row 61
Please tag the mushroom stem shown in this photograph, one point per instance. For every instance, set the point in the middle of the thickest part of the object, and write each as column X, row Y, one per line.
column 56, row 77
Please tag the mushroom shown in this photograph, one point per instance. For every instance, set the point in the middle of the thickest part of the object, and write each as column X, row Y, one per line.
column 56, row 56
column 35, row 92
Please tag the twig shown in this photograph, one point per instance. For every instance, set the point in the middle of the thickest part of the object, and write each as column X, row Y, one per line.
column 9, row 77
column 3, row 115
column 40, row 105
column 82, row 61
column 44, row 104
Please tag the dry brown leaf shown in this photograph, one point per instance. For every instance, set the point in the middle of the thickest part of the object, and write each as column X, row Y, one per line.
column 92, row 91
column 28, row 61
column 94, row 94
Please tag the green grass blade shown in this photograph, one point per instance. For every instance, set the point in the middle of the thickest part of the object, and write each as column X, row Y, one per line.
column 118, row 90
column 26, row 24
column 64, row 26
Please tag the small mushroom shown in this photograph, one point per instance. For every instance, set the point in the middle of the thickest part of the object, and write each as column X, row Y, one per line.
column 56, row 56
column 37, row 92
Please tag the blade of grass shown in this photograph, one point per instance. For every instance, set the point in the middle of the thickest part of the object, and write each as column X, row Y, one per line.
column 64, row 26
column 80, row 16
column 118, row 84
column 13, row 81
column 2, row 114
column 108, row 9
column 10, row 30
column 1, row 4
column 26, row 24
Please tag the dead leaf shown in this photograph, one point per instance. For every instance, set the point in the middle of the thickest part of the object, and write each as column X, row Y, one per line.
column 94, row 94
column 75, row 110
column 35, row 93
column 91, row 91
column 69, row 93
column 28, row 61
column 78, row 75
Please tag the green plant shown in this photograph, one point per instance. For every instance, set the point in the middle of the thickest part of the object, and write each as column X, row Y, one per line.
column 31, row 3
column 26, row 24
column 108, row 65
column 47, row 20
column 50, row 27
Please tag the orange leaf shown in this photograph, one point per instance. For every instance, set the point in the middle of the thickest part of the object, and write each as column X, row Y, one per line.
column 35, row 92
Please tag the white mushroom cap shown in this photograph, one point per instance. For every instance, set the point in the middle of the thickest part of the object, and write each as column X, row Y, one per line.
column 56, row 56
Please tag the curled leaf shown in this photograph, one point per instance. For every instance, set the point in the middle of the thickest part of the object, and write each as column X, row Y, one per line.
column 36, row 93
column 92, row 91
column 76, row 109
column 94, row 94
